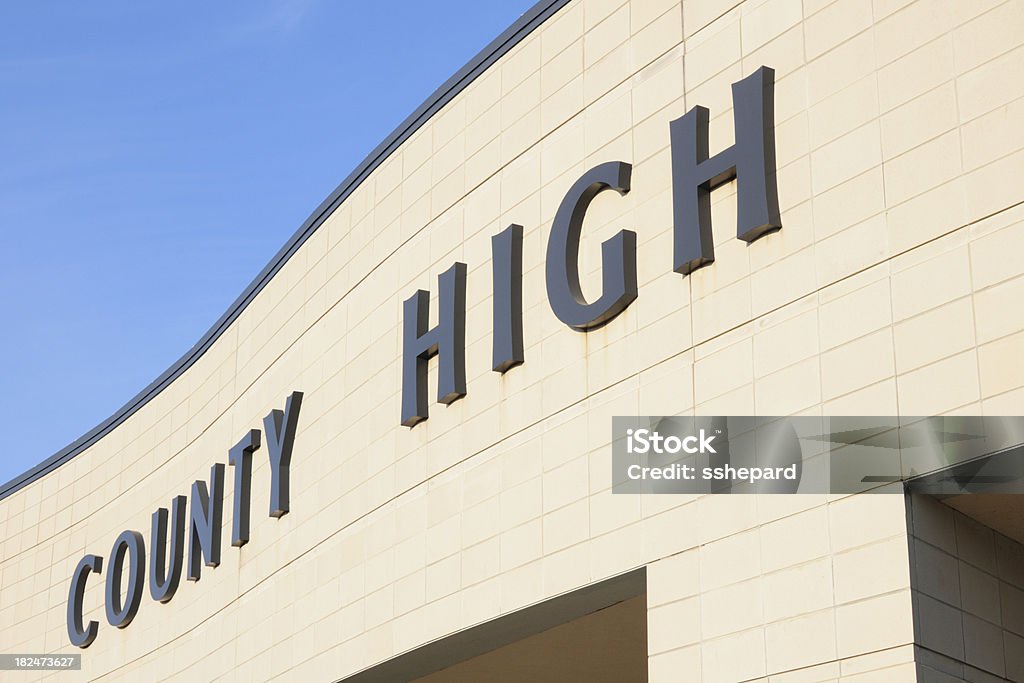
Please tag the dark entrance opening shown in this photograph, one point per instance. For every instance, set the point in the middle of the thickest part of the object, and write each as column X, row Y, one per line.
column 596, row 633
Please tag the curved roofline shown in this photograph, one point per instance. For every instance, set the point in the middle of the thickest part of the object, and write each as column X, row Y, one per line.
column 498, row 47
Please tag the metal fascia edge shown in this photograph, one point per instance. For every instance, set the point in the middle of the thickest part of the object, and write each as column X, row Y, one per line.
column 498, row 47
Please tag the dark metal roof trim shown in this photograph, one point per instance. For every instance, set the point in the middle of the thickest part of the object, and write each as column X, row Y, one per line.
column 530, row 20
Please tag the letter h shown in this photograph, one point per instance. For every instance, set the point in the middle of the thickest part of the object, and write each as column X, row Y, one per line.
column 751, row 161
column 447, row 340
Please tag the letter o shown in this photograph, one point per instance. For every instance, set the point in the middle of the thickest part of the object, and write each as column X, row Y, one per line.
column 129, row 544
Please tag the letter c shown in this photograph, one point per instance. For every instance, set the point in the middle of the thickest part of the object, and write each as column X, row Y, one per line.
column 82, row 636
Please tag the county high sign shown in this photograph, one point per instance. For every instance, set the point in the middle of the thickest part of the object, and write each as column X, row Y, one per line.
column 750, row 161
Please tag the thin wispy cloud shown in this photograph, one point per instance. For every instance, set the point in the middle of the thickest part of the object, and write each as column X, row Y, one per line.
column 283, row 16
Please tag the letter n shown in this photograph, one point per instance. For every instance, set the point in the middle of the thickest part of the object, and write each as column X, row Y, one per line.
column 206, row 511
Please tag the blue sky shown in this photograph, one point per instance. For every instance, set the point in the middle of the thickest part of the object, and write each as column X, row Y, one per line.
column 156, row 155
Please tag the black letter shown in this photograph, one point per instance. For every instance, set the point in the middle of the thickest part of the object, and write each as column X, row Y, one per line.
column 82, row 636
column 618, row 255
column 240, row 457
column 507, row 260
column 128, row 543
column 206, row 512
column 280, row 428
column 447, row 340
column 161, row 586
column 751, row 161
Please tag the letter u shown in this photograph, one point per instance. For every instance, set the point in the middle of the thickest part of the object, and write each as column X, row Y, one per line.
column 163, row 579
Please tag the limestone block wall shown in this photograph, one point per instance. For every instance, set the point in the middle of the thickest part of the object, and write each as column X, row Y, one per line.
column 893, row 287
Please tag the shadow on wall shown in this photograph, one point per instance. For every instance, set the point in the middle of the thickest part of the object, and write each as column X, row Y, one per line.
column 597, row 633
column 968, row 590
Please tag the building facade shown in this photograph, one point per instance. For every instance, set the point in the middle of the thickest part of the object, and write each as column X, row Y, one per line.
column 483, row 542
